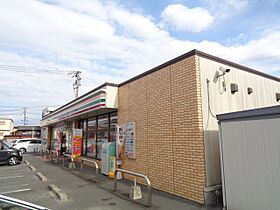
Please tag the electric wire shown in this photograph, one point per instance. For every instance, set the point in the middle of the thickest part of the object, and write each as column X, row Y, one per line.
column 32, row 70
column 208, row 99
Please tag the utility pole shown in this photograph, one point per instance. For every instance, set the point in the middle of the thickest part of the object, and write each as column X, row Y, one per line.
column 77, row 82
column 24, row 116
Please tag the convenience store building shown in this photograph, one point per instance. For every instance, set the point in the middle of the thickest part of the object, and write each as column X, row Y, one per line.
column 173, row 107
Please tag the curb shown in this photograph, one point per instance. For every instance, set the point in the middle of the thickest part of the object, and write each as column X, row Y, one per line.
column 32, row 168
column 41, row 177
column 61, row 195
column 26, row 162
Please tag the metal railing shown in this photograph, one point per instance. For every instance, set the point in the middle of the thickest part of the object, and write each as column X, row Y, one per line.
column 72, row 164
column 54, row 153
column 90, row 161
column 137, row 175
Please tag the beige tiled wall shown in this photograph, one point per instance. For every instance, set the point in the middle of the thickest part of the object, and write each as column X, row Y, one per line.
column 166, row 107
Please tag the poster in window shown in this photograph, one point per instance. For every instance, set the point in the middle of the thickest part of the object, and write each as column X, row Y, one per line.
column 77, row 142
column 130, row 140
column 119, row 143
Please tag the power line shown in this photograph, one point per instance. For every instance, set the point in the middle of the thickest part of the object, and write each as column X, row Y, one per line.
column 33, row 107
column 55, row 72
column 10, row 114
column 32, row 70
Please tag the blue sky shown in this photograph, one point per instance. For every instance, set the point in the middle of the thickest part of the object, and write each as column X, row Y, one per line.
column 111, row 41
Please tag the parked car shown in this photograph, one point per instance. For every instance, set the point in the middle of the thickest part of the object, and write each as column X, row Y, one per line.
column 13, row 203
column 15, row 141
column 29, row 145
column 9, row 155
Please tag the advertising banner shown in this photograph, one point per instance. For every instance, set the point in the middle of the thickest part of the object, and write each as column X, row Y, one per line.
column 59, row 135
column 130, row 140
column 77, row 142
column 119, row 144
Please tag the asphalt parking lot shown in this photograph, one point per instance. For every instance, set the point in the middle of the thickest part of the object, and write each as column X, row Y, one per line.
column 21, row 182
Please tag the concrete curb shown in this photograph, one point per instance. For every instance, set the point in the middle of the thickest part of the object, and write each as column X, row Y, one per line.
column 41, row 177
column 32, row 168
column 61, row 195
column 26, row 162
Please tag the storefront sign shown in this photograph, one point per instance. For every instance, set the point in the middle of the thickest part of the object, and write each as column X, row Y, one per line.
column 130, row 140
column 77, row 142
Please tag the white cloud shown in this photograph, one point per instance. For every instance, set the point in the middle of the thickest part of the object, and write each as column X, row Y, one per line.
column 223, row 9
column 111, row 45
column 183, row 18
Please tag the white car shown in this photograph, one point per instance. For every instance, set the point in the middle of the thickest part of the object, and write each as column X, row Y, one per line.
column 29, row 145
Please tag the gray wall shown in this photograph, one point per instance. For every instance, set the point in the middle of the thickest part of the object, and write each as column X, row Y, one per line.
column 251, row 164
column 221, row 101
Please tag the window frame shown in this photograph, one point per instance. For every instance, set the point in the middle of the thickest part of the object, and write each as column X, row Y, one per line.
column 86, row 132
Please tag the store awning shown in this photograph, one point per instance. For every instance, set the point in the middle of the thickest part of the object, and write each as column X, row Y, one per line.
column 102, row 99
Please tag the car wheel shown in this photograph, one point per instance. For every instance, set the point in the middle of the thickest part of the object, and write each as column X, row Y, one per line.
column 13, row 161
column 23, row 150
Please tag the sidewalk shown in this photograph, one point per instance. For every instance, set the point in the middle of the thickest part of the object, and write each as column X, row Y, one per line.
column 85, row 194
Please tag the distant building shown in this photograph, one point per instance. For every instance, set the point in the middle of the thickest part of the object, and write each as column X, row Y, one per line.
column 6, row 127
column 48, row 110
column 25, row 132
column 44, row 130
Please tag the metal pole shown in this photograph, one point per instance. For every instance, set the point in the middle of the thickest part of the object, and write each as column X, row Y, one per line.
column 24, row 116
column 96, row 167
column 82, row 166
column 138, row 175
column 63, row 160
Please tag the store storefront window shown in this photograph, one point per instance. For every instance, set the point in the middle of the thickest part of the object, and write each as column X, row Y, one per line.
column 102, row 132
column 54, row 138
column 83, row 125
column 61, row 137
column 91, row 141
column 113, row 124
column 96, row 131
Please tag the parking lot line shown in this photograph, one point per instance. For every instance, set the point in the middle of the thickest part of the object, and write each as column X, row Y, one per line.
column 14, row 174
column 10, row 186
column 10, row 177
column 15, row 191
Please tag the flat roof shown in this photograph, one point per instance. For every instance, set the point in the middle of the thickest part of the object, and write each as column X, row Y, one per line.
column 28, row 127
column 260, row 113
column 170, row 62
column 2, row 118
column 204, row 55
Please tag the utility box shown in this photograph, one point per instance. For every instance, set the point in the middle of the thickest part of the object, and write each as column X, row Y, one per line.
column 108, row 150
column 249, row 146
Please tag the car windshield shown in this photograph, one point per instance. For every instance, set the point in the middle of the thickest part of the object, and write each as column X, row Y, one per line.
column 4, row 146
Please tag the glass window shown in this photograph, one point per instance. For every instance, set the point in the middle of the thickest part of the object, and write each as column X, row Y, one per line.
column 102, row 133
column 3, row 146
column 96, row 131
column 91, row 138
column 83, row 125
column 113, row 123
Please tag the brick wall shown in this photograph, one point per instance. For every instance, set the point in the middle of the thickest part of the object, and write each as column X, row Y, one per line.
column 166, row 107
